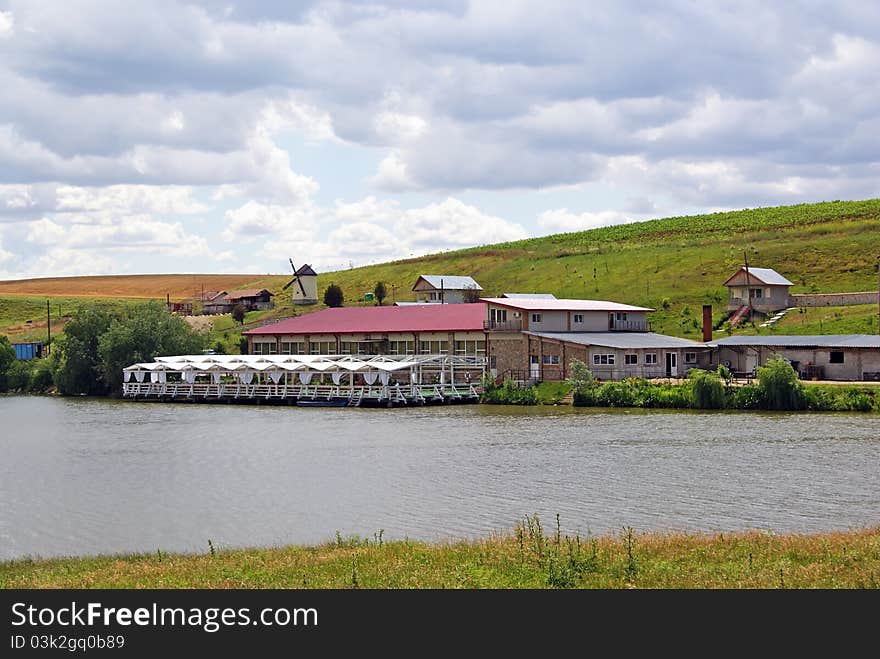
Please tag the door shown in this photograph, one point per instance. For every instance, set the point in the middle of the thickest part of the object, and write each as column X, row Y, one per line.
column 671, row 365
column 534, row 367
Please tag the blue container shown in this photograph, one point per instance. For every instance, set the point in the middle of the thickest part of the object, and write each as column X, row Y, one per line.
column 25, row 351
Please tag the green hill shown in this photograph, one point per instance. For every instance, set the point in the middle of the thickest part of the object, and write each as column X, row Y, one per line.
column 674, row 265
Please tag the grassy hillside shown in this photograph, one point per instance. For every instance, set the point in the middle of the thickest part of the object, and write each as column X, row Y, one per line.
column 674, row 265
column 528, row 558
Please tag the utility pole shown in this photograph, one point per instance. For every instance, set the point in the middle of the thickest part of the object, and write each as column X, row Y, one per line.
column 48, row 328
column 748, row 286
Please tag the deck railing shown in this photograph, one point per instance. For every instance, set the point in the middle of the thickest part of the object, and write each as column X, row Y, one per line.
column 514, row 325
column 631, row 326
column 391, row 392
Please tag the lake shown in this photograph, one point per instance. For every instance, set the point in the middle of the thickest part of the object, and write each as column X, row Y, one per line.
column 86, row 476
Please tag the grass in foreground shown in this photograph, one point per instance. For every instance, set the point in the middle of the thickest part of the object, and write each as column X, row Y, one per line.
column 527, row 558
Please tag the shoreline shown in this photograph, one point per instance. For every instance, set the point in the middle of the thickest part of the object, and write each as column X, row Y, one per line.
column 528, row 557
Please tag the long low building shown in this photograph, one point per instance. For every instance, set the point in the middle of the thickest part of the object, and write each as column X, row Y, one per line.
column 442, row 329
column 825, row 357
column 614, row 355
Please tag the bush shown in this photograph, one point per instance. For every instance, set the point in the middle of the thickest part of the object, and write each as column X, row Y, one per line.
column 509, row 393
column 333, row 296
column 748, row 397
column 780, row 387
column 616, row 394
column 18, row 375
column 819, row 399
column 706, row 390
column 581, row 377
column 43, row 375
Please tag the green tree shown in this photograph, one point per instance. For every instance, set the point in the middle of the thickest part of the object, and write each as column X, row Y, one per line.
column 79, row 364
column 780, row 387
column 706, row 390
column 580, row 376
column 146, row 332
column 333, row 296
column 380, row 292
column 238, row 313
column 7, row 359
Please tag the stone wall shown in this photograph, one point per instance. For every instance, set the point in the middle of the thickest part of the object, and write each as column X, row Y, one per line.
column 832, row 299
column 507, row 351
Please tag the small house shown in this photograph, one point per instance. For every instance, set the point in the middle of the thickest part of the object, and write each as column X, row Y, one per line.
column 215, row 302
column 762, row 289
column 446, row 289
column 252, row 299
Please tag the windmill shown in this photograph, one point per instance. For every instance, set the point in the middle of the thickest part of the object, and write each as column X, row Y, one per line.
column 303, row 293
column 295, row 279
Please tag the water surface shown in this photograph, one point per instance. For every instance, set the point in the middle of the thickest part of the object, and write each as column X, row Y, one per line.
column 84, row 476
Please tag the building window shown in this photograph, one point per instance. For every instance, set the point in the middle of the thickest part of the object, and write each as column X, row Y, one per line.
column 757, row 293
column 433, row 347
column 578, row 318
column 630, row 360
column 470, row 347
column 536, row 318
column 498, row 315
column 293, row 348
column 265, row 349
column 690, row 358
column 551, row 359
column 836, row 357
column 650, row 358
column 621, row 316
column 322, row 347
column 401, row 347
column 602, row 360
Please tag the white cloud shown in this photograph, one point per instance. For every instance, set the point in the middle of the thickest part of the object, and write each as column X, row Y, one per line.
column 66, row 262
column 254, row 220
column 562, row 220
column 168, row 199
column 7, row 23
column 392, row 174
column 396, row 127
column 452, row 223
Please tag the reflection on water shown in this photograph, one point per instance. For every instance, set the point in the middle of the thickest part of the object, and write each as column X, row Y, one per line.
column 87, row 476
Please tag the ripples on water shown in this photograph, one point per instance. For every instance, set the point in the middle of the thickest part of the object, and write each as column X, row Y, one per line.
column 87, row 476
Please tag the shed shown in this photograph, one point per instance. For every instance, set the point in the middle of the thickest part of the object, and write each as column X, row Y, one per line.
column 26, row 351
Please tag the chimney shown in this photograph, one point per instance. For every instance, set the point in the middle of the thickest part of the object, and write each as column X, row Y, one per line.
column 707, row 323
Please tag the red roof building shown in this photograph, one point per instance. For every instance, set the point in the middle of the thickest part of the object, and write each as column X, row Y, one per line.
column 428, row 329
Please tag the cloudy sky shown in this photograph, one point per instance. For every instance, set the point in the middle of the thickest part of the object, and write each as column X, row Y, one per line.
column 221, row 136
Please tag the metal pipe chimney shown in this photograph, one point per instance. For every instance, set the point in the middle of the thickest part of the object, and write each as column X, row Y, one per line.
column 707, row 323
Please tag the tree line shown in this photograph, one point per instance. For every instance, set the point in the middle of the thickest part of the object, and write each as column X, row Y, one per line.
column 96, row 344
